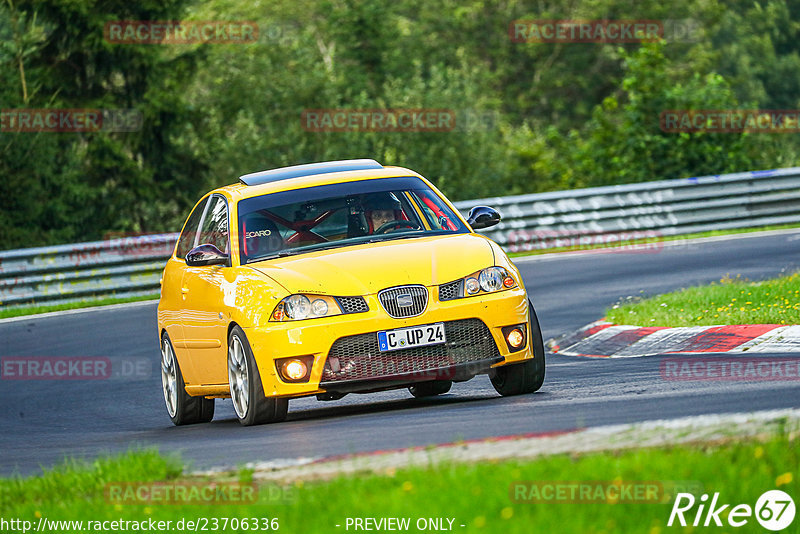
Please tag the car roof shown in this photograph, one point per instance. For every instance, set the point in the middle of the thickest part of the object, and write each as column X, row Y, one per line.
column 309, row 169
column 315, row 174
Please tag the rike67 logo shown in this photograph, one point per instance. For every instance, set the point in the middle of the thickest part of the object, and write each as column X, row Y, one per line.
column 774, row 510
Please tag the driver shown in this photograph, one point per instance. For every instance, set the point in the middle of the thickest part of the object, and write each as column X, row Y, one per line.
column 381, row 208
column 380, row 217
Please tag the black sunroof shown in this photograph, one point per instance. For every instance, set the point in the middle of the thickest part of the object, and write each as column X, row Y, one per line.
column 309, row 169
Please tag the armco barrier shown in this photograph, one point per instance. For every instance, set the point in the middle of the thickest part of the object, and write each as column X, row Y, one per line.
column 132, row 266
column 649, row 209
column 122, row 267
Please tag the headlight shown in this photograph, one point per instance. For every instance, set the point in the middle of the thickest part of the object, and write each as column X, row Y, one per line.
column 491, row 279
column 488, row 280
column 319, row 307
column 299, row 307
column 471, row 286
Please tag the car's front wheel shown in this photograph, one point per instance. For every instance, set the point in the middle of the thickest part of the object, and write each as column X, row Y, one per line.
column 526, row 377
column 182, row 408
column 247, row 392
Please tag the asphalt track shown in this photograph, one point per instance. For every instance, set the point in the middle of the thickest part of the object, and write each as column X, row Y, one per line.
column 44, row 420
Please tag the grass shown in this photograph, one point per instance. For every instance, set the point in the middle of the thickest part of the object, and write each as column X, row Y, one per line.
column 730, row 301
column 474, row 495
column 645, row 244
column 88, row 303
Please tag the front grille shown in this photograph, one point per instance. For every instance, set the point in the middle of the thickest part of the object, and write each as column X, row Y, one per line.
column 404, row 301
column 450, row 291
column 352, row 304
column 358, row 357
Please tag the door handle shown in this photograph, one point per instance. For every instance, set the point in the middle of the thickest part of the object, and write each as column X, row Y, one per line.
column 184, row 290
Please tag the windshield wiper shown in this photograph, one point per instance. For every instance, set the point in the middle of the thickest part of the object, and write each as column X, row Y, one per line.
column 404, row 235
column 302, row 250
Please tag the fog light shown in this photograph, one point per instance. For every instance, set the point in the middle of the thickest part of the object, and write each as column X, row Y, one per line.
column 515, row 338
column 294, row 369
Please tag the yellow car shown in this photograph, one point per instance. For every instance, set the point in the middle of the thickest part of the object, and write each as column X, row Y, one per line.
column 334, row 278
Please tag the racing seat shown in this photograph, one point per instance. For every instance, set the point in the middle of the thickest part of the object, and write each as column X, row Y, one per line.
column 260, row 235
column 357, row 225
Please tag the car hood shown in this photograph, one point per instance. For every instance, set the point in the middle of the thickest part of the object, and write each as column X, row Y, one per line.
column 366, row 269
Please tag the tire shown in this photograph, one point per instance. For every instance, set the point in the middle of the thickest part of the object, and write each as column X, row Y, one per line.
column 526, row 377
column 247, row 392
column 182, row 408
column 430, row 389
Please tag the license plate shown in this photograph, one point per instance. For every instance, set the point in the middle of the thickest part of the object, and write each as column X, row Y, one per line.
column 415, row 336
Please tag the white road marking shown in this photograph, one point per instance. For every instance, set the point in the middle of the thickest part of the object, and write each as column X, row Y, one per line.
column 673, row 243
column 107, row 307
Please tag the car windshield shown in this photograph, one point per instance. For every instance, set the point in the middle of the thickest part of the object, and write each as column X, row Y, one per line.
column 337, row 215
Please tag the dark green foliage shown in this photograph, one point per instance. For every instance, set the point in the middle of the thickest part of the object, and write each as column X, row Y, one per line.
column 544, row 116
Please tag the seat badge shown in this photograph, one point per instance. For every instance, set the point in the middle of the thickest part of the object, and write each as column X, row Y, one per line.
column 405, row 300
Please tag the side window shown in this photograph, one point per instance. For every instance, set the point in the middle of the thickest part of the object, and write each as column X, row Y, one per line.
column 428, row 213
column 186, row 240
column 437, row 213
column 214, row 228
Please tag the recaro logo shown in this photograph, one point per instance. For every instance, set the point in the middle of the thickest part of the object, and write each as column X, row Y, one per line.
column 774, row 510
column 258, row 233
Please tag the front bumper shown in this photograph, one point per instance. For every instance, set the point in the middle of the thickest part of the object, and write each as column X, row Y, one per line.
column 345, row 352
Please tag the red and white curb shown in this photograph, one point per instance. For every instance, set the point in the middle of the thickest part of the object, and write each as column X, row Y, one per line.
column 602, row 339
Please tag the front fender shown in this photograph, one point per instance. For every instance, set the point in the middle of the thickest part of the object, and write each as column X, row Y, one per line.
column 251, row 297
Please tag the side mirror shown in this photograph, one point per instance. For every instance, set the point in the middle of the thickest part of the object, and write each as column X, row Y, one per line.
column 206, row 255
column 483, row 217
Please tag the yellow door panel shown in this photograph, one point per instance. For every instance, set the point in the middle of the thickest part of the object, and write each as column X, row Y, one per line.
column 205, row 324
column 170, row 310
